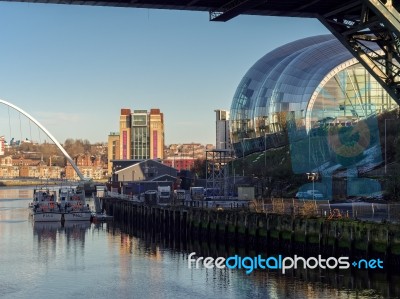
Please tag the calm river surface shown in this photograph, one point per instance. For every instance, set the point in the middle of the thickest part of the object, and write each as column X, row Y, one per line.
column 85, row 260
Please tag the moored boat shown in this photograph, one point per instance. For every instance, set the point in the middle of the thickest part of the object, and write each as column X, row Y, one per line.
column 44, row 206
column 73, row 204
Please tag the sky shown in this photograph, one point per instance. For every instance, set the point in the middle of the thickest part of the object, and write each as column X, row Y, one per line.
column 74, row 67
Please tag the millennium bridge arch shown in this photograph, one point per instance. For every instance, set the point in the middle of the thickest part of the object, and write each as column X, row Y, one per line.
column 30, row 117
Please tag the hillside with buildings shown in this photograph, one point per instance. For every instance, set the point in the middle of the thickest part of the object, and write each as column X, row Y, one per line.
column 44, row 161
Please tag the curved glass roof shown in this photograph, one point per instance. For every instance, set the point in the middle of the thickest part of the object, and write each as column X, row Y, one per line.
column 282, row 80
column 312, row 82
column 314, row 96
column 312, row 79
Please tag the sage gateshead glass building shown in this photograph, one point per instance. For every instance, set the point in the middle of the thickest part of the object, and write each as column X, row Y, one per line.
column 310, row 81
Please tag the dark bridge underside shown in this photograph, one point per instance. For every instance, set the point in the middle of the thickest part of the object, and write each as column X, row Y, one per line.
column 356, row 23
column 292, row 8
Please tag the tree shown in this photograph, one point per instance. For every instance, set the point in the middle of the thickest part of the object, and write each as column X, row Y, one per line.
column 74, row 147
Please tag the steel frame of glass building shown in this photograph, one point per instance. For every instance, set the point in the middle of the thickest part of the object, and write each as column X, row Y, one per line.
column 310, row 81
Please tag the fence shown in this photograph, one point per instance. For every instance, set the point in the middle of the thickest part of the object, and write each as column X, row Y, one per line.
column 356, row 210
column 377, row 212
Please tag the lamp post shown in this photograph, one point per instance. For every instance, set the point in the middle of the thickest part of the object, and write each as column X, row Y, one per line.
column 386, row 119
column 312, row 176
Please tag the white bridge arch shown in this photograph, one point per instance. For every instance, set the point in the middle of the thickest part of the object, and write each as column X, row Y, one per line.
column 48, row 134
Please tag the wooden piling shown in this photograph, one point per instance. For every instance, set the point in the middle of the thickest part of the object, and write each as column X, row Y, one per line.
column 242, row 229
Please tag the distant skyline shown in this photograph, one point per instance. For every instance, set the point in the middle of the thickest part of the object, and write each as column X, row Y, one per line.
column 74, row 67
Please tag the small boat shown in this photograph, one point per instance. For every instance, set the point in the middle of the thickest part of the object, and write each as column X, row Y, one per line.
column 73, row 204
column 102, row 217
column 44, row 206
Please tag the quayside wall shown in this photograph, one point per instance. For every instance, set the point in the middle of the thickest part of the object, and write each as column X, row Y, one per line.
column 264, row 232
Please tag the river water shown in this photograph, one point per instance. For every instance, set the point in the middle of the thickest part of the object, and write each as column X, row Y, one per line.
column 87, row 260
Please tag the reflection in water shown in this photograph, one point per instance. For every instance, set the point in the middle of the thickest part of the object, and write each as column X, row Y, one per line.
column 55, row 237
column 109, row 260
column 46, row 236
column 49, row 232
column 16, row 193
column 299, row 283
column 75, row 232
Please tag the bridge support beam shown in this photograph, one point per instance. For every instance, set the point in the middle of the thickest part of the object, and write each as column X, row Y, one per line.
column 233, row 9
column 366, row 22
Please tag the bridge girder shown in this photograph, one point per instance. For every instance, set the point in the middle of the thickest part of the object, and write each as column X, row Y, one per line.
column 233, row 9
column 359, row 25
column 356, row 24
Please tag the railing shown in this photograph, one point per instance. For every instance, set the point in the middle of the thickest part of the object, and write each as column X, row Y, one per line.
column 377, row 212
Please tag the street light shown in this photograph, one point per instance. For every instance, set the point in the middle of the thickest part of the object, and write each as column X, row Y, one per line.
column 386, row 119
column 312, row 176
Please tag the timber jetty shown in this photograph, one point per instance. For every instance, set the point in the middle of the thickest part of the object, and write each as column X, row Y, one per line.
column 244, row 228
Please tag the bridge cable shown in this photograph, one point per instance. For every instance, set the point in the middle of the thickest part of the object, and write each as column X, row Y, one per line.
column 20, row 129
column 40, row 139
column 30, row 131
column 66, row 155
column 9, row 122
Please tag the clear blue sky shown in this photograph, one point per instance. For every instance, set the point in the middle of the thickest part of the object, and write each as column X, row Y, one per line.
column 74, row 67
